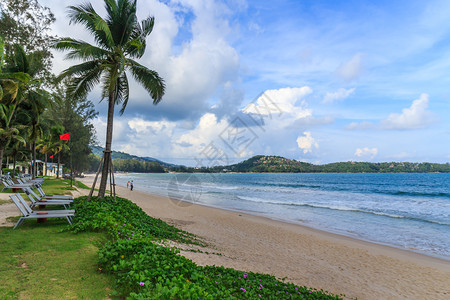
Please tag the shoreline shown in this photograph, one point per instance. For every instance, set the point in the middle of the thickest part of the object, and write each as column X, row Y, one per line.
column 307, row 256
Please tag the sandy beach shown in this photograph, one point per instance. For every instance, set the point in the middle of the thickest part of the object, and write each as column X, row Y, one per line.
column 305, row 256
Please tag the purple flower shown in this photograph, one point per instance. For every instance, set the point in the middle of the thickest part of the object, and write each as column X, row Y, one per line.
column 239, row 277
column 245, row 275
column 141, row 283
column 259, row 295
column 242, row 289
column 296, row 288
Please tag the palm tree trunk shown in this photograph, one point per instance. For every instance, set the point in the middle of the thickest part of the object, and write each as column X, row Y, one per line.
column 14, row 165
column 45, row 164
column 1, row 160
column 107, row 152
column 57, row 170
column 34, row 159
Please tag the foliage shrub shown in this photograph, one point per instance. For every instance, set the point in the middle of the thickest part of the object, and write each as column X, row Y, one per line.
column 146, row 269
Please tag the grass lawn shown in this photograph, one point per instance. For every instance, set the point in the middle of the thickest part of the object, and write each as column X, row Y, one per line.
column 40, row 262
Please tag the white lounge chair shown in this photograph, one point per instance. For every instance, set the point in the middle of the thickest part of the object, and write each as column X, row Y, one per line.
column 49, row 197
column 40, row 198
column 34, row 202
column 7, row 185
column 28, row 213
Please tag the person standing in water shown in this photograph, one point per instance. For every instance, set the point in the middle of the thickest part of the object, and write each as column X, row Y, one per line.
column 128, row 184
column 131, row 185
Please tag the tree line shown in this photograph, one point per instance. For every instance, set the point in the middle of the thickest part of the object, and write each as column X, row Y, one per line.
column 277, row 164
column 35, row 107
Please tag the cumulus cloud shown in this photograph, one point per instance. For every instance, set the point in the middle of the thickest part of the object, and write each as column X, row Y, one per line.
column 280, row 107
column 307, row 142
column 414, row 117
column 366, row 152
column 338, row 95
column 351, row 69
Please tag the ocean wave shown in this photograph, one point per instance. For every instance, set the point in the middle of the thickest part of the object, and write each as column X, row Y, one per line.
column 341, row 208
column 353, row 190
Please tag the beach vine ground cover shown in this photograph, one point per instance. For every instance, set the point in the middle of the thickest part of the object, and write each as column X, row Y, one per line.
column 146, row 269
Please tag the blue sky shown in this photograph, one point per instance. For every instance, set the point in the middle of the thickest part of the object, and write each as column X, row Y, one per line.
column 316, row 81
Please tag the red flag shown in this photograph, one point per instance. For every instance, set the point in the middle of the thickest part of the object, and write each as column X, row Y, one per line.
column 64, row 137
column 51, row 156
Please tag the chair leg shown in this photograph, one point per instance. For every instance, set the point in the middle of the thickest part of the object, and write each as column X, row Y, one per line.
column 68, row 220
column 18, row 223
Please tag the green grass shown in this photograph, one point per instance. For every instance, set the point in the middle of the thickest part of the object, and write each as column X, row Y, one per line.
column 81, row 185
column 40, row 262
column 52, row 185
column 5, row 201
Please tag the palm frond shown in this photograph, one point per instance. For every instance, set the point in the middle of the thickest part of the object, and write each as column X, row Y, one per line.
column 149, row 79
column 80, row 86
column 147, row 26
column 80, row 49
column 80, row 69
column 86, row 15
column 121, row 19
column 124, row 89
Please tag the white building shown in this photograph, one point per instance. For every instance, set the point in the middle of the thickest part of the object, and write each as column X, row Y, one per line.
column 52, row 168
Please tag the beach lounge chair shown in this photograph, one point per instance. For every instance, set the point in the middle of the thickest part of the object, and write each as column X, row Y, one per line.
column 30, row 210
column 49, row 197
column 7, row 185
column 37, row 197
column 28, row 213
column 34, row 202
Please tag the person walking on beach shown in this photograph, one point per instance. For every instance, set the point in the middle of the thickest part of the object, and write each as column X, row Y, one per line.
column 131, row 185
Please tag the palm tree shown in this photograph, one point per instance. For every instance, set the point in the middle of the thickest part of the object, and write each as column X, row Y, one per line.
column 120, row 38
column 33, row 100
column 18, row 152
column 8, row 130
column 10, row 82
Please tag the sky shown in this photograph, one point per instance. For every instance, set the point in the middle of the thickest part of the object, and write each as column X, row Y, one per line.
column 311, row 80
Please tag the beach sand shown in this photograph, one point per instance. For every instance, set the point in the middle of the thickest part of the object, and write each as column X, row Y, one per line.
column 305, row 256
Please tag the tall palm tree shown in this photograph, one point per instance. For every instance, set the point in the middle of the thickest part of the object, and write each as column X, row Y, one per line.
column 18, row 152
column 34, row 99
column 10, row 82
column 8, row 130
column 120, row 38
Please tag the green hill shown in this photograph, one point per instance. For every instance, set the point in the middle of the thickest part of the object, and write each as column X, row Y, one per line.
column 98, row 151
column 278, row 164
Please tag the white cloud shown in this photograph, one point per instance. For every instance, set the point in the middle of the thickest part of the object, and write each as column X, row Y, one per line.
column 281, row 108
column 415, row 117
column 351, row 69
column 338, row 95
column 366, row 152
column 307, row 142
column 194, row 70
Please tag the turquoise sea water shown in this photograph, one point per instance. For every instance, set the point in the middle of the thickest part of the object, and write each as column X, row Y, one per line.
column 408, row 211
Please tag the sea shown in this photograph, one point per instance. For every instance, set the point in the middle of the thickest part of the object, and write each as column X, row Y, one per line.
column 405, row 210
